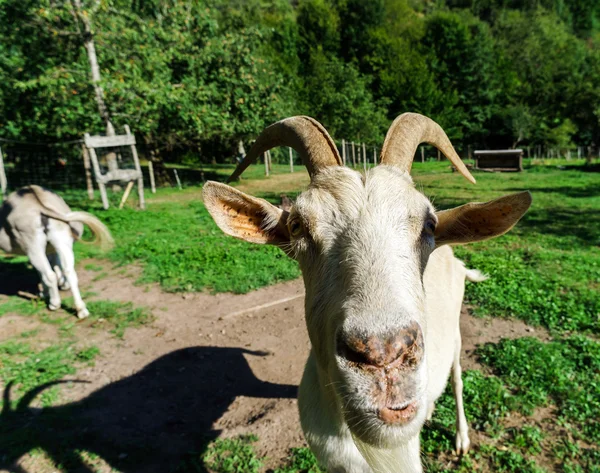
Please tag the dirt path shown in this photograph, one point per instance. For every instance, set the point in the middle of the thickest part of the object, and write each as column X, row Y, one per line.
column 209, row 365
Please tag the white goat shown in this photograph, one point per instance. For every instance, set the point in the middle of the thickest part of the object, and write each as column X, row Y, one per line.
column 38, row 223
column 383, row 289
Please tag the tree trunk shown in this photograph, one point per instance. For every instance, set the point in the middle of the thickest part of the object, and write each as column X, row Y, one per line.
column 88, row 43
column 160, row 171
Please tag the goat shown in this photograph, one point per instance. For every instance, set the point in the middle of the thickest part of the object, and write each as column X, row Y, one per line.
column 38, row 223
column 383, row 288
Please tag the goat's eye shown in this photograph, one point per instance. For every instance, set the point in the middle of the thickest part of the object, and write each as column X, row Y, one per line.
column 429, row 227
column 296, row 227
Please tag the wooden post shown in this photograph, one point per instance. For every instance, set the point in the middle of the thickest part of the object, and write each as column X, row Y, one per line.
column 422, row 154
column 126, row 194
column 344, row 152
column 353, row 155
column 177, row 179
column 88, row 171
column 291, row 160
column 439, row 157
column 138, row 168
column 364, row 147
column 3, row 181
column 151, row 173
column 266, row 164
column 98, row 174
column 374, row 156
column 270, row 162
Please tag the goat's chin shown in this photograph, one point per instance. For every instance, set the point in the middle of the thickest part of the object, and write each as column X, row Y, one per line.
column 368, row 427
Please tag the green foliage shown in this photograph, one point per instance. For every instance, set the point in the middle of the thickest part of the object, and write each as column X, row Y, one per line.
column 193, row 78
column 487, row 402
column 336, row 93
column 28, row 367
column 565, row 372
column 506, row 461
column 301, row 460
column 528, row 438
column 233, row 456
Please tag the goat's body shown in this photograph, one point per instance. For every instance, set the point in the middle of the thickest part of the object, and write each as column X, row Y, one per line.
column 321, row 415
column 38, row 223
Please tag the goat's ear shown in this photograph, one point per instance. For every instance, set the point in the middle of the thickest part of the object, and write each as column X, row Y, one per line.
column 245, row 217
column 479, row 221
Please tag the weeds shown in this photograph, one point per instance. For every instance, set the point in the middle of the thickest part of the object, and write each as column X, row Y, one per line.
column 27, row 368
column 119, row 315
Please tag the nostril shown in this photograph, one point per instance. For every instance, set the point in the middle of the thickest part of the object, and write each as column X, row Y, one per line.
column 353, row 355
column 402, row 348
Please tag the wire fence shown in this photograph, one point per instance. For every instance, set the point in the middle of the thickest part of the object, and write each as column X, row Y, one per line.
column 60, row 166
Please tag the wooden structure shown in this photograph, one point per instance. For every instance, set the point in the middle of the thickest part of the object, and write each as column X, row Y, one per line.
column 115, row 174
column 499, row 160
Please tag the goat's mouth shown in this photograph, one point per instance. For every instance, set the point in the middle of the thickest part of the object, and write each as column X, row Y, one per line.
column 399, row 415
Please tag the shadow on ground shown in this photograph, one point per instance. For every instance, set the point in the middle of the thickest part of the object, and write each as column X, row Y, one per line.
column 17, row 276
column 147, row 422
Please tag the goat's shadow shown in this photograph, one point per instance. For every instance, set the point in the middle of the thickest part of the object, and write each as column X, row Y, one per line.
column 147, row 422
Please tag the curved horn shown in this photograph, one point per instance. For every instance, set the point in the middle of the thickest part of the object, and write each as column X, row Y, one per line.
column 304, row 134
column 407, row 132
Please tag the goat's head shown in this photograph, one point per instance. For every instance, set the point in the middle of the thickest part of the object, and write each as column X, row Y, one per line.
column 363, row 243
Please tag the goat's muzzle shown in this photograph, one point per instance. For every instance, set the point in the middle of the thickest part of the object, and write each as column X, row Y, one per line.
column 390, row 362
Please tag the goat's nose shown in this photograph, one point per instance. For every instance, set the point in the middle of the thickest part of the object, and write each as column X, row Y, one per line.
column 403, row 347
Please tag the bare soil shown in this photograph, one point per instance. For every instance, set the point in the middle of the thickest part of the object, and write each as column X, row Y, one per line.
column 207, row 366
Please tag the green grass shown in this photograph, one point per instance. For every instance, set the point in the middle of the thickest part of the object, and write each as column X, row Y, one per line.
column 27, row 367
column 564, row 373
column 237, row 455
column 17, row 305
column 181, row 248
column 118, row 315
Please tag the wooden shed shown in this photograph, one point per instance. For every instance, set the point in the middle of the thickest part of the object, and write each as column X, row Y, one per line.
column 499, row 160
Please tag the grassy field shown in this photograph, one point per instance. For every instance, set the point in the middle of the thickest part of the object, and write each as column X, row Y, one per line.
column 535, row 404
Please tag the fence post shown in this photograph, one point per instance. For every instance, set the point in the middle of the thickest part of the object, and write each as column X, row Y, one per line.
column 353, row 155
column 266, row 156
column 291, row 160
column 364, row 148
column 374, row 156
column 439, row 157
column 177, row 179
column 422, row 154
column 151, row 172
column 344, row 151
column 3, row 181
column 88, row 171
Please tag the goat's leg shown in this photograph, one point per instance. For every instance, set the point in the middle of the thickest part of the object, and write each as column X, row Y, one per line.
column 64, row 248
column 38, row 259
column 462, row 442
column 63, row 284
